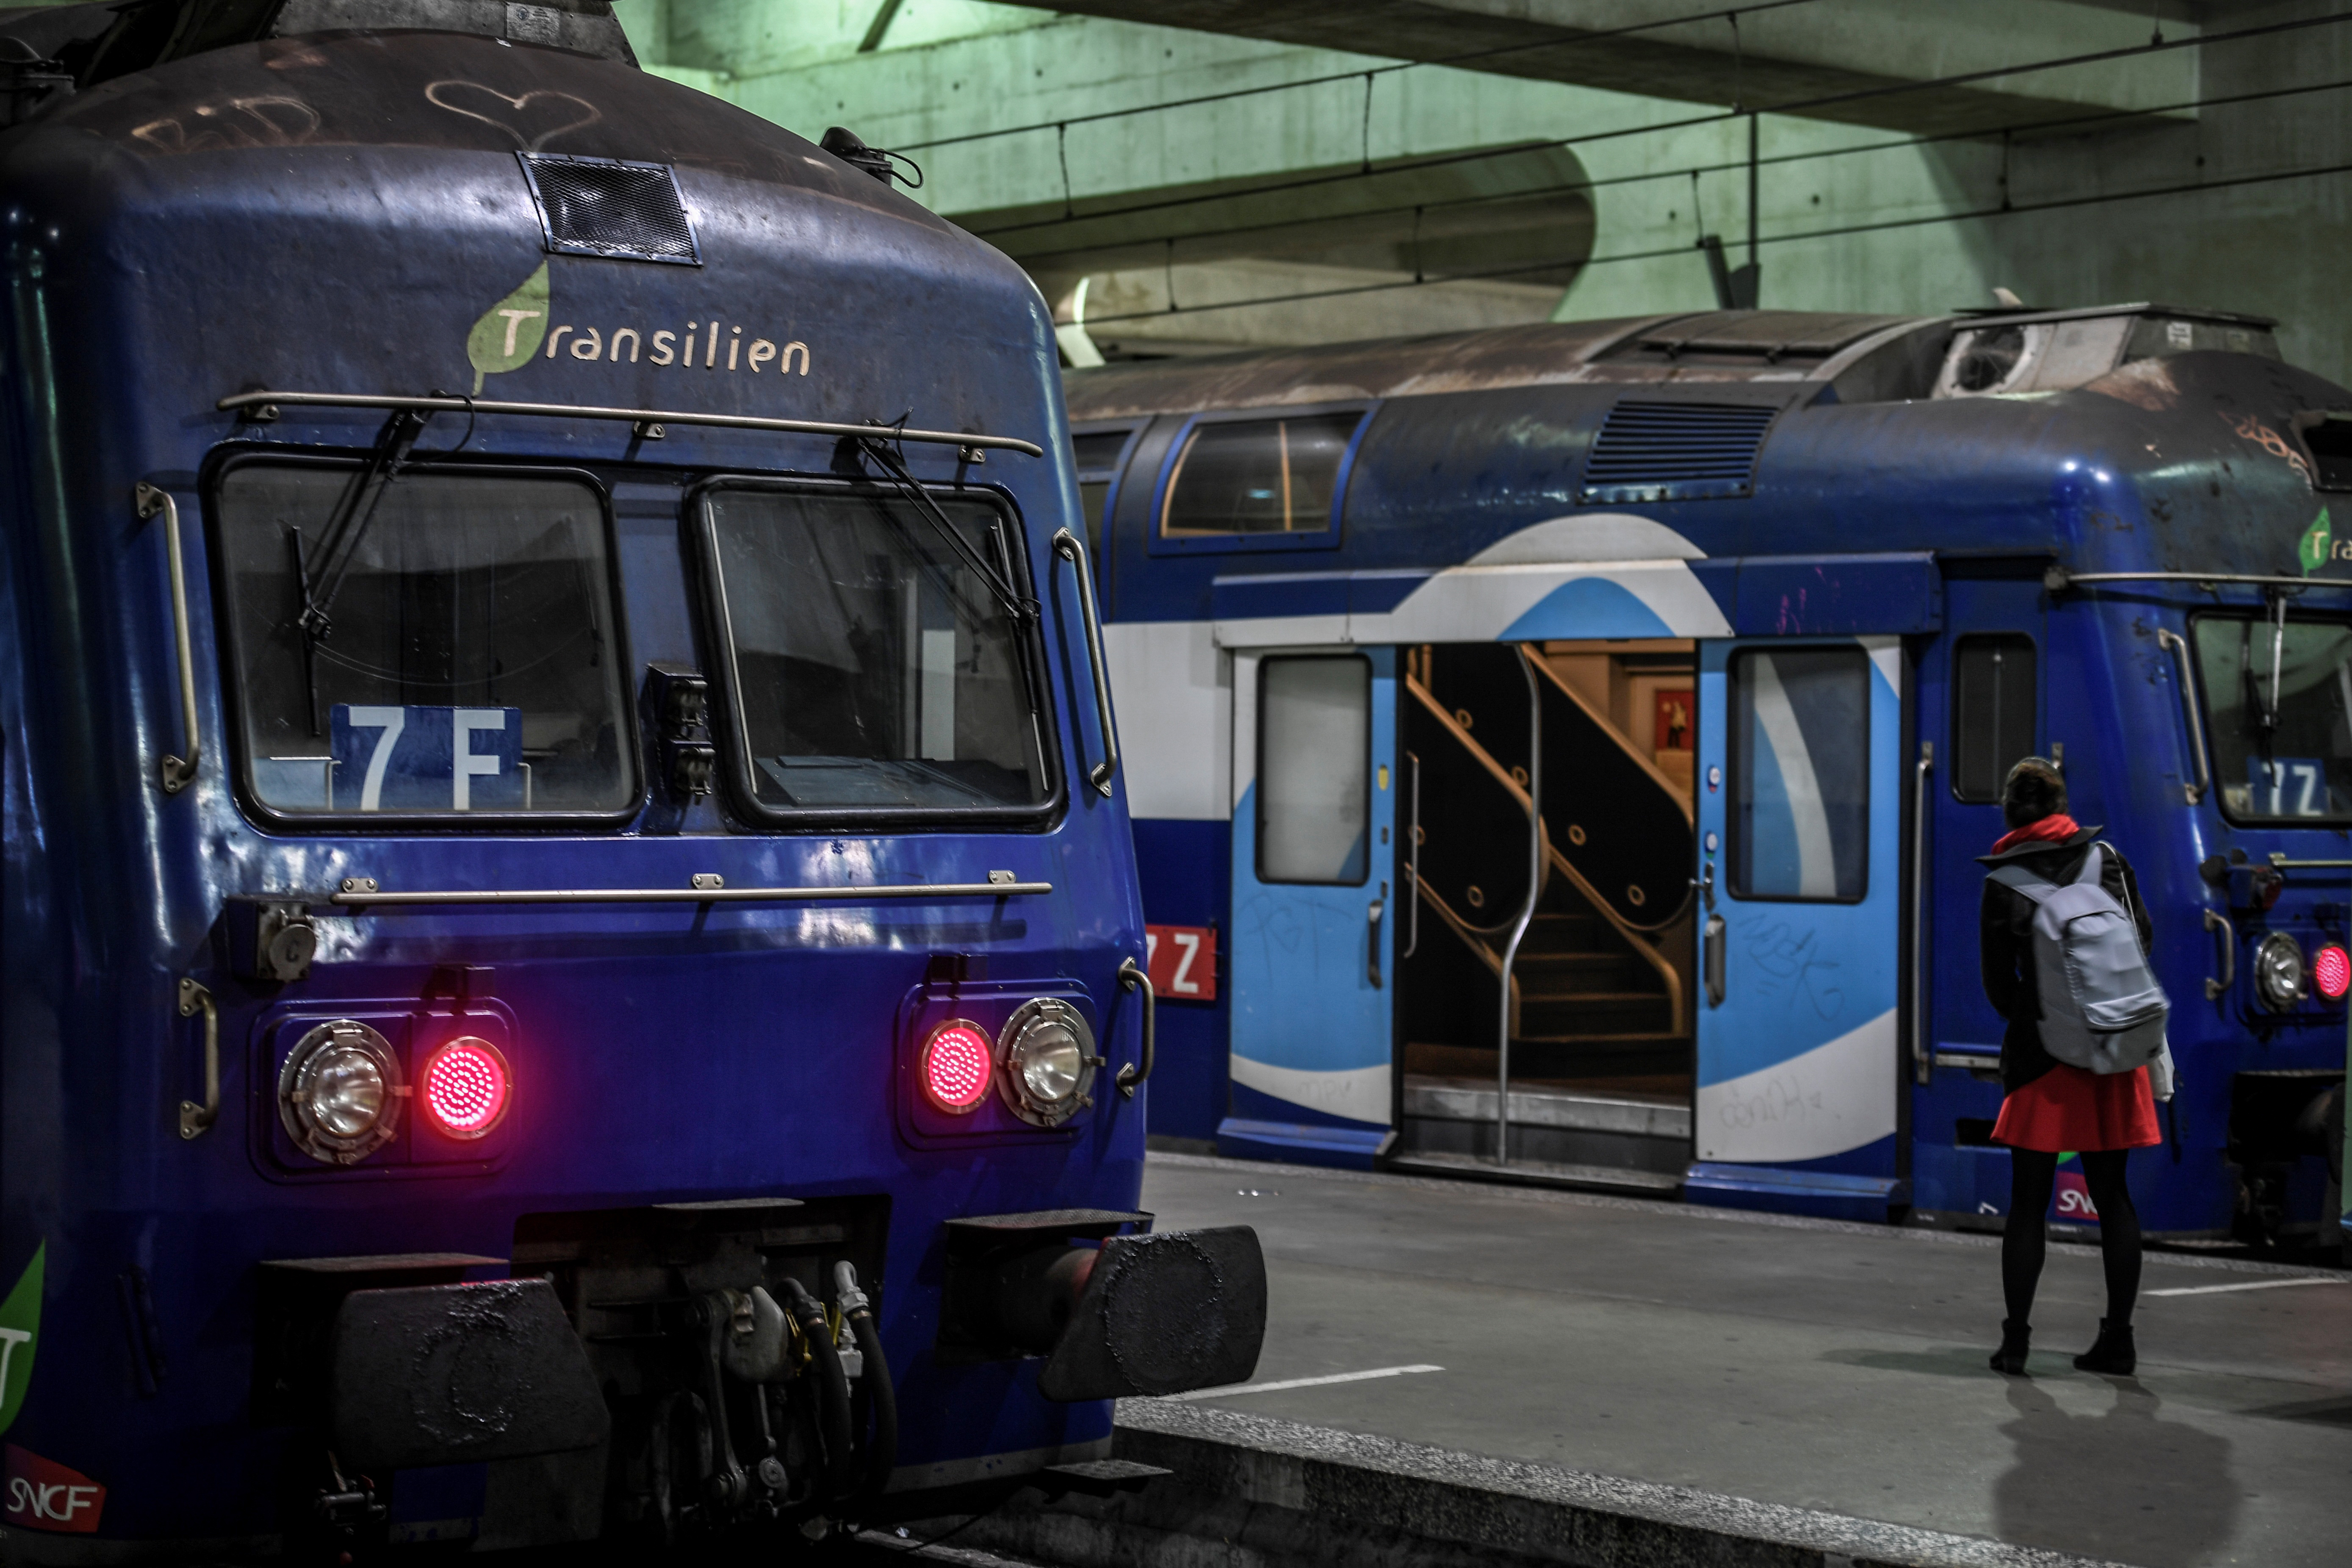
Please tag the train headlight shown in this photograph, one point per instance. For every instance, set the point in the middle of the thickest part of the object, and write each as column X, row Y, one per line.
column 955, row 1067
column 2279, row 977
column 2331, row 971
column 465, row 1086
column 1049, row 1060
column 339, row 1093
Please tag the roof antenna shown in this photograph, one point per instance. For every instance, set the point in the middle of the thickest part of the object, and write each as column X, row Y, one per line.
column 2007, row 298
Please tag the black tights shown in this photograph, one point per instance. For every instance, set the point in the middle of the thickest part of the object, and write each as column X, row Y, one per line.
column 2032, row 1175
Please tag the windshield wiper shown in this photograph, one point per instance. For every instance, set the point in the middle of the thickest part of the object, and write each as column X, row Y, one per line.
column 346, row 525
column 1021, row 611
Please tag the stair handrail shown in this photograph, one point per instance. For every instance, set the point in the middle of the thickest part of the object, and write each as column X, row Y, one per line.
column 1638, row 941
column 1674, row 791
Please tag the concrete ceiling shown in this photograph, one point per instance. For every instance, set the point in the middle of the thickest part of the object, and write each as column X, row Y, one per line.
column 1854, row 53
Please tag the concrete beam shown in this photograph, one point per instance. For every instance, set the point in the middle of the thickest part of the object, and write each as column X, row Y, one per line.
column 1849, row 62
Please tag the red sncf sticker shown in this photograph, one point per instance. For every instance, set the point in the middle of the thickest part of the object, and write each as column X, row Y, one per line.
column 43, row 1495
column 1184, row 962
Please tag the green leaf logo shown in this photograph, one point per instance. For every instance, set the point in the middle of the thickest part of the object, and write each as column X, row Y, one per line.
column 510, row 331
column 20, row 1322
column 2317, row 545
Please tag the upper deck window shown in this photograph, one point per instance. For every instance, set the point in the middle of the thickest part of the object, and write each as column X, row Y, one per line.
column 1097, row 453
column 870, row 671
column 1257, row 476
column 2279, row 699
column 443, row 646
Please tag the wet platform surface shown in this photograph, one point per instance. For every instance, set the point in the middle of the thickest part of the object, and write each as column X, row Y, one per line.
column 1800, row 1363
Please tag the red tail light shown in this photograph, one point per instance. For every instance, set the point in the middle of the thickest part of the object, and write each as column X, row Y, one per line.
column 957, row 1060
column 464, row 1086
column 2331, row 971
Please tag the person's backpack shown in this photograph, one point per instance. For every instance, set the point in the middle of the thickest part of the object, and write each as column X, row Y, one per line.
column 2101, row 1007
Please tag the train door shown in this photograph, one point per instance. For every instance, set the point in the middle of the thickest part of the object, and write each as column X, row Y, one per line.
column 1981, row 709
column 1313, row 927
column 1801, row 807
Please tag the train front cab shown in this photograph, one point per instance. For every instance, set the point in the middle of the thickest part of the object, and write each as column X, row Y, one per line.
column 1768, row 740
column 563, row 943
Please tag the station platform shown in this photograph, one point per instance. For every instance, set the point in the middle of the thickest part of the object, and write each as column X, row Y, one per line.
column 1797, row 1364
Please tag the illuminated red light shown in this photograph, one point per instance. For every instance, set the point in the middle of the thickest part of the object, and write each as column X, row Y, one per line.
column 464, row 1086
column 2331, row 971
column 957, row 1060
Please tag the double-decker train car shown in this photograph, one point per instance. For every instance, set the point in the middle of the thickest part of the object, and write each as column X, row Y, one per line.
column 573, row 966
column 1576, row 741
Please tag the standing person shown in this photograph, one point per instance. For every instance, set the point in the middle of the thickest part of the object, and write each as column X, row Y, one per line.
column 2049, row 1107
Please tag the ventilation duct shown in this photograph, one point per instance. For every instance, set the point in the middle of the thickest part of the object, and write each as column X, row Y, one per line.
column 1677, row 451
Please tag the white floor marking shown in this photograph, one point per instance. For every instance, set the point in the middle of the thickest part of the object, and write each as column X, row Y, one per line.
column 2248, row 1285
column 1300, row 1382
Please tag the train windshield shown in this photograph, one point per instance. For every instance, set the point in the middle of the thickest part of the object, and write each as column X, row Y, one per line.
column 2280, row 696
column 439, row 644
column 872, row 667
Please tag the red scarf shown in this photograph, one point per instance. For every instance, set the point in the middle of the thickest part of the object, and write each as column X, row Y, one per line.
column 2055, row 828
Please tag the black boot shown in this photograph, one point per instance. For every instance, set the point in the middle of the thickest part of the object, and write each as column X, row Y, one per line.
column 2111, row 1352
column 2014, row 1338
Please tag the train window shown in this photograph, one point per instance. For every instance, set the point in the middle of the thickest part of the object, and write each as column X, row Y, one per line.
column 870, row 668
column 2279, row 699
column 1257, row 476
column 1993, row 696
column 1097, row 453
column 441, row 647
column 1314, row 769
column 1800, row 744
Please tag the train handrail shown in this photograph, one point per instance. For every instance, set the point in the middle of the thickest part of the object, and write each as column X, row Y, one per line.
column 2057, row 579
column 2175, row 644
column 1067, row 546
column 1131, row 977
column 2216, row 920
column 359, row 892
column 195, row 1118
column 178, row 772
column 1923, row 1058
column 262, row 408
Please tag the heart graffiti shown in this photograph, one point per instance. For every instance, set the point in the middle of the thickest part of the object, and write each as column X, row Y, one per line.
column 534, row 120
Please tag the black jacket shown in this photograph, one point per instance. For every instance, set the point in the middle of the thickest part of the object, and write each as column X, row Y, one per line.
column 2005, row 934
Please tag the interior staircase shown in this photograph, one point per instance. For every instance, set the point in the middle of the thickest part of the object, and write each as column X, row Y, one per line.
column 1600, row 1018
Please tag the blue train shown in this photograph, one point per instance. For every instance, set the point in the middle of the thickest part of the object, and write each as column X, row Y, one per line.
column 1575, row 743
column 573, row 962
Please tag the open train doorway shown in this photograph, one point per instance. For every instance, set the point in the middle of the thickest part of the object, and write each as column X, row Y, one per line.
column 1588, row 906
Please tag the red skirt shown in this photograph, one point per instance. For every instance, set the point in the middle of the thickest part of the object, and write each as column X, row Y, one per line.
column 2068, row 1109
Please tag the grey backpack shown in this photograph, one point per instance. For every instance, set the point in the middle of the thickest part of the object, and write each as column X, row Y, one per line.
column 2101, row 1007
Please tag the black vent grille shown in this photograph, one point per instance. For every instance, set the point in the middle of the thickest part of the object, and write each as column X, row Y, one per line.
column 603, row 206
column 1677, row 451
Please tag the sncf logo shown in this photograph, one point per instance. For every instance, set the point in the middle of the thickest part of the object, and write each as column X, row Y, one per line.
column 39, row 1494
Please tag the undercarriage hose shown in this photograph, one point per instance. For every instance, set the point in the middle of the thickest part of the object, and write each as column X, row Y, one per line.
column 875, row 1386
column 832, row 1386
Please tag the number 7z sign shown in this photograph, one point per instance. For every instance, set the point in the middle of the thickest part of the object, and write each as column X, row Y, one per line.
column 1184, row 962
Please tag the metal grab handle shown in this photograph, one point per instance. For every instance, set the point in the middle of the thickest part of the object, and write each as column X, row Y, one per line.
column 1131, row 978
column 1923, row 1060
column 178, row 772
column 1379, row 907
column 1711, row 960
column 1066, row 546
column 2216, row 920
column 1412, row 867
column 2178, row 646
column 196, row 1120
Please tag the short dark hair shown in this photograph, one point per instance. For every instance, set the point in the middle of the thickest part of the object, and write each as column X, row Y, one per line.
column 2034, row 790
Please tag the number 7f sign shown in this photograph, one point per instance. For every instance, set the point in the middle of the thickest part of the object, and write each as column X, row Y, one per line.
column 1184, row 962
